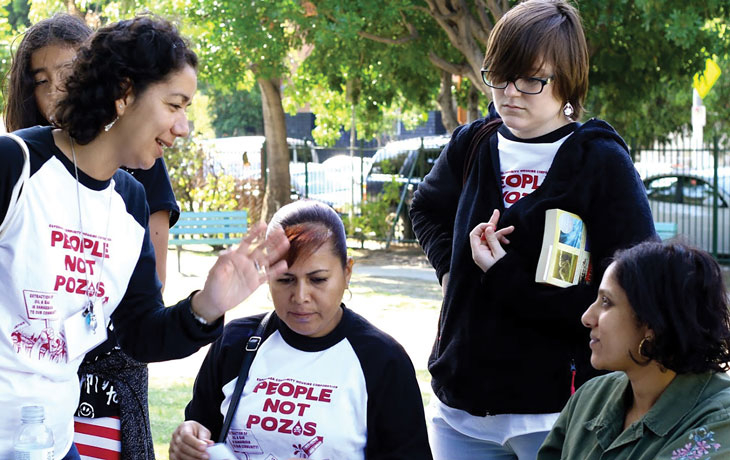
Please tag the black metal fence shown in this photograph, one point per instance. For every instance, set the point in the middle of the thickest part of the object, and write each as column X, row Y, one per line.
column 688, row 183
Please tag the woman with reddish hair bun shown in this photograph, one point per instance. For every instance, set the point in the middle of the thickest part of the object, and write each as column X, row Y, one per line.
column 325, row 383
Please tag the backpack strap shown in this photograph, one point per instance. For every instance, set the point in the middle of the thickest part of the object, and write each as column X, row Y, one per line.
column 24, row 174
column 252, row 347
column 484, row 132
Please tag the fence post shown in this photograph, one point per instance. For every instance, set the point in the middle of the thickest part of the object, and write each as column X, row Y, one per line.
column 403, row 196
column 363, row 184
column 715, row 198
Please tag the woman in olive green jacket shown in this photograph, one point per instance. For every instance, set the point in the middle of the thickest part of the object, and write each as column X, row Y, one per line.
column 661, row 320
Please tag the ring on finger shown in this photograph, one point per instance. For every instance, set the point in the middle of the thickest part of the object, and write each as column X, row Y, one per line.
column 259, row 268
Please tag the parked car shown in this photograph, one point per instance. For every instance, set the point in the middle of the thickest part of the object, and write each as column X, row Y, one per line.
column 687, row 198
column 336, row 181
column 395, row 160
column 406, row 162
column 241, row 156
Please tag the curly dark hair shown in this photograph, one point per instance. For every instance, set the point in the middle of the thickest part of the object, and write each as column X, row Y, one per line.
column 21, row 110
column 678, row 291
column 124, row 56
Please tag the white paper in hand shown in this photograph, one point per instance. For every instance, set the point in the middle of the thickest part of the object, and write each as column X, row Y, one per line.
column 220, row 452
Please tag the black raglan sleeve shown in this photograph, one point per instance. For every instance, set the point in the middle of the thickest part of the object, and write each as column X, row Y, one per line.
column 434, row 205
column 146, row 329
column 396, row 424
column 11, row 168
column 396, row 421
column 220, row 366
column 158, row 188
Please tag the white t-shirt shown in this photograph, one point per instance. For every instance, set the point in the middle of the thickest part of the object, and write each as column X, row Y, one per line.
column 524, row 163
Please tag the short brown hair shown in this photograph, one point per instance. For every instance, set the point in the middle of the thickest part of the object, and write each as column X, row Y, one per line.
column 537, row 32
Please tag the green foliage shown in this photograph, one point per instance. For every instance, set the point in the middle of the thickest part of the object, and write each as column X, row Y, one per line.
column 383, row 81
column 643, row 56
column 376, row 215
column 6, row 39
column 717, row 102
column 17, row 11
column 237, row 113
column 239, row 42
column 199, row 115
column 196, row 186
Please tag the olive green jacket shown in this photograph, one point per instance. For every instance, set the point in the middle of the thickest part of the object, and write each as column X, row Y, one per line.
column 690, row 420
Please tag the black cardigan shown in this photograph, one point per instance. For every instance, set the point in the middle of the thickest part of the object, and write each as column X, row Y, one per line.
column 505, row 343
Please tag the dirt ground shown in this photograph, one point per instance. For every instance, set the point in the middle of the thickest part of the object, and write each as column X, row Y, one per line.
column 410, row 255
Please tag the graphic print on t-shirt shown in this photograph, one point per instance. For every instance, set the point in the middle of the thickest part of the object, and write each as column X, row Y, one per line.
column 285, row 409
column 76, row 264
column 518, row 183
column 524, row 164
column 294, row 401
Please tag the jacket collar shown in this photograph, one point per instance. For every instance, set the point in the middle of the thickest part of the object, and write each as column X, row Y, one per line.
column 682, row 394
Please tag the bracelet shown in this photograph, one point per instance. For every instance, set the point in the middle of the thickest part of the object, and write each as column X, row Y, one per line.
column 197, row 317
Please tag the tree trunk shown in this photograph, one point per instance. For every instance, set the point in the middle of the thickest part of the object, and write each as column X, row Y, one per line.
column 278, row 184
column 472, row 104
column 445, row 101
column 467, row 28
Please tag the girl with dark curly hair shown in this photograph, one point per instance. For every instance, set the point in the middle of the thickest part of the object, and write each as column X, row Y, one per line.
column 36, row 80
column 39, row 67
column 75, row 248
column 661, row 321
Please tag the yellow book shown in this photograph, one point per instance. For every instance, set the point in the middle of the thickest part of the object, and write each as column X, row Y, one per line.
column 565, row 259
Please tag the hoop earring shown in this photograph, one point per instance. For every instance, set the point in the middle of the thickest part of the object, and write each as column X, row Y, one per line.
column 568, row 110
column 109, row 126
column 349, row 292
column 644, row 341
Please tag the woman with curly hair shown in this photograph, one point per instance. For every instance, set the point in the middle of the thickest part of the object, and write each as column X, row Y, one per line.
column 35, row 83
column 661, row 322
column 75, row 249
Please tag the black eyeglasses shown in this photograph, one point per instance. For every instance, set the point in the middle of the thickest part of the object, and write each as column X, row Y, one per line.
column 525, row 85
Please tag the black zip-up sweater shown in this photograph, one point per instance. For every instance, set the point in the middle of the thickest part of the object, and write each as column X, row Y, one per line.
column 505, row 343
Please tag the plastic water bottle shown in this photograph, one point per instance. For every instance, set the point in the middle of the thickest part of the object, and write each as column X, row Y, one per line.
column 34, row 440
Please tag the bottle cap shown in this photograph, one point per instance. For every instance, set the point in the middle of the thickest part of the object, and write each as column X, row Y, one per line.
column 32, row 413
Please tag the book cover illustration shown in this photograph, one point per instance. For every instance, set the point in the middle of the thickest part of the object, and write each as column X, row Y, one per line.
column 565, row 256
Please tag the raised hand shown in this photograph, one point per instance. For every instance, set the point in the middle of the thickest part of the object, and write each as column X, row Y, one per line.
column 239, row 271
column 486, row 242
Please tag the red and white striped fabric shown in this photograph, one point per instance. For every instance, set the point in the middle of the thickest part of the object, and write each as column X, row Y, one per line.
column 98, row 438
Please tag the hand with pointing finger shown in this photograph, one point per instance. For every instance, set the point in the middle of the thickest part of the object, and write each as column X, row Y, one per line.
column 486, row 242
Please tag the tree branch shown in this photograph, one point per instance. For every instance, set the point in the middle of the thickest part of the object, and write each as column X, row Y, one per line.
column 412, row 34
column 487, row 23
column 497, row 8
column 450, row 67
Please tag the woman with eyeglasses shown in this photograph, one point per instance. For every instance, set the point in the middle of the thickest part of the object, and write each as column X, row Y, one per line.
column 510, row 351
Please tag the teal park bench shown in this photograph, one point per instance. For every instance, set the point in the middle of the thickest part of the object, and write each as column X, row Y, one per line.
column 666, row 230
column 212, row 227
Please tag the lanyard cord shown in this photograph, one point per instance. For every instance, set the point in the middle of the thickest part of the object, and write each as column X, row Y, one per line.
column 90, row 290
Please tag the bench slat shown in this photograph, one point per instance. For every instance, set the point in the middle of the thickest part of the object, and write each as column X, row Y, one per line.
column 181, row 242
column 666, row 230
column 213, row 214
column 209, row 223
column 212, row 229
column 190, row 225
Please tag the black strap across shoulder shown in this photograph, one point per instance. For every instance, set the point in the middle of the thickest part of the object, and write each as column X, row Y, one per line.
column 484, row 132
column 253, row 344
